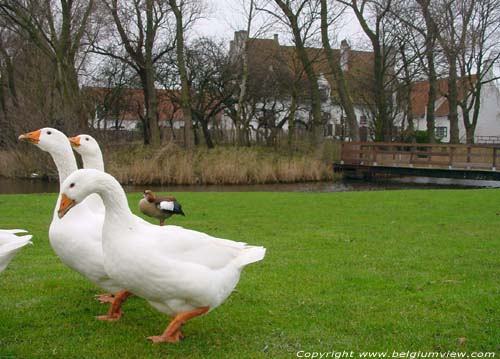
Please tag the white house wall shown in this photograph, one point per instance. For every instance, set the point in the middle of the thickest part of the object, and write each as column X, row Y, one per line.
column 488, row 123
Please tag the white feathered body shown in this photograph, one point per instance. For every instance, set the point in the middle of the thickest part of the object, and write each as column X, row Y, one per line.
column 10, row 244
column 77, row 241
column 175, row 269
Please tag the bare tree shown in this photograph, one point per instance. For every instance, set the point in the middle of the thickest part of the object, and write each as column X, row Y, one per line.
column 452, row 19
column 57, row 29
column 144, row 35
column 301, row 17
column 476, row 60
column 342, row 88
column 185, row 12
column 111, row 94
column 373, row 17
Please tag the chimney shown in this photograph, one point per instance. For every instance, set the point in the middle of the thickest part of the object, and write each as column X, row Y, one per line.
column 344, row 55
column 237, row 45
column 240, row 37
column 276, row 38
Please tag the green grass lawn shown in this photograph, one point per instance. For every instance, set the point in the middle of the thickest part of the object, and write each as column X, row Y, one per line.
column 393, row 270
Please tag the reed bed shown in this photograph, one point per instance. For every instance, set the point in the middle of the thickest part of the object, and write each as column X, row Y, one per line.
column 171, row 164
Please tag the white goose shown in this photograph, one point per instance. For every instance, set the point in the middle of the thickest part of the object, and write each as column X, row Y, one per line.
column 77, row 239
column 182, row 273
column 88, row 148
column 10, row 244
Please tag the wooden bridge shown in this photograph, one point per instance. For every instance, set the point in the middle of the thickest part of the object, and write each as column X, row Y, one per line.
column 368, row 159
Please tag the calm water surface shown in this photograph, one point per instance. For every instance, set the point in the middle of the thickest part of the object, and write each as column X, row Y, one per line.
column 41, row 186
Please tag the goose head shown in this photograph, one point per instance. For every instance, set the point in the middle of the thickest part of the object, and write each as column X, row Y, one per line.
column 47, row 139
column 76, row 188
column 82, row 183
column 85, row 145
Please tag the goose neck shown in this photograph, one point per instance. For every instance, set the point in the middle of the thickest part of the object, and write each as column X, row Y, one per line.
column 93, row 161
column 65, row 163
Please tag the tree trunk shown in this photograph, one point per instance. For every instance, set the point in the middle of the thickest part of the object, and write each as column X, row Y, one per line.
column 430, row 117
column 338, row 75
column 151, row 133
column 453, row 100
column 185, row 88
column 291, row 118
column 383, row 126
column 317, row 118
column 206, row 133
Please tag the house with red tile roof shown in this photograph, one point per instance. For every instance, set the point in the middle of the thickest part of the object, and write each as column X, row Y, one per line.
column 488, row 125
column 123, row 108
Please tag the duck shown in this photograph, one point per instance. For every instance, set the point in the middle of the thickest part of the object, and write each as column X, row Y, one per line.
column 77, row 239
column 160, row 207
column 10, row 244
column 181, row 272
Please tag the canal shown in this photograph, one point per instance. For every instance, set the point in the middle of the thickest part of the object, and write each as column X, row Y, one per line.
column 11, row 186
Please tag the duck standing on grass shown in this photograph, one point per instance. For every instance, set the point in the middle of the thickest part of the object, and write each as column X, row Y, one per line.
column 160, row 207
column 180, row 272
column 10, row 244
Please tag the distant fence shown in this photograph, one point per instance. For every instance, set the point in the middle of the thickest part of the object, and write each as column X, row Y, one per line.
column 487, row 139
column 439, row 156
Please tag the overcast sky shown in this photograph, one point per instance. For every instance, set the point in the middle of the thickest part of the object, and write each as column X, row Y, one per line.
column 226, row 16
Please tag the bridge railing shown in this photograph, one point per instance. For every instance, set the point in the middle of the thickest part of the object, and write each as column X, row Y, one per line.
column 473, row 157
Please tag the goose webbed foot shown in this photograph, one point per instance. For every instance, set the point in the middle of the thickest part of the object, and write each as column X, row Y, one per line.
column 174, row 338
column 105, row 298
column 173, row 332
column 115, row 312
column 111, row 317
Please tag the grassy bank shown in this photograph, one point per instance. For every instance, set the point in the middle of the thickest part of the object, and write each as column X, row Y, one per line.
column 171, row 164
column 393, row 270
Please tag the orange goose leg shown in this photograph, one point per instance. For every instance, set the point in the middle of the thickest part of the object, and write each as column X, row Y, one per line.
column 115, row 312
column 162, row 222
column 173, row 332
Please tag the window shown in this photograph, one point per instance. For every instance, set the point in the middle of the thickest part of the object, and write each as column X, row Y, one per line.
column 441, row 131
column 362, row 120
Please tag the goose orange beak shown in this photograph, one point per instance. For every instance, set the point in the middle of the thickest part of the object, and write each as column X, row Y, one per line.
column 65, row 205
column 31, row 137
column 75, row 141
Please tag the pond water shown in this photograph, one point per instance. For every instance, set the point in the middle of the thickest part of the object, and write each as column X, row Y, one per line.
column 40, row 186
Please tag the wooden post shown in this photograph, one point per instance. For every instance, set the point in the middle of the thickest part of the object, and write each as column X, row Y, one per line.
column 342, row 153
column 468, row 156
column 452, row 150
column 494, row 167
column 429, row 157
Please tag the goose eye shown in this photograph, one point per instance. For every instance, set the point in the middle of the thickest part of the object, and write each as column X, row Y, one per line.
column 87, row 139
column 72, row 185
column 49, row 132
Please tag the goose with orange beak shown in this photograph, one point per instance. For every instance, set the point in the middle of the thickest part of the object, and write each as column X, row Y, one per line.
column 88, row 148
column 77, row 238
column 180, row 272
column 31, row 137
column 90, row 152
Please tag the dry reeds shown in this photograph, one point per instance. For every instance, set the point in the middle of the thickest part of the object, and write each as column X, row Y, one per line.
column 172, row 165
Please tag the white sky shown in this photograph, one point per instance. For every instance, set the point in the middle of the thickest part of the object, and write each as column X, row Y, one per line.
column 224, row 17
